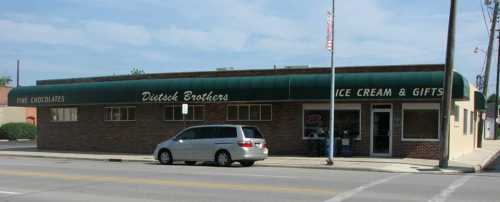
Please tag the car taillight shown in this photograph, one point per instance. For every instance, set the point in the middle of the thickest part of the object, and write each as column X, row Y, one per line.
column 245, row 144
column 264, row 145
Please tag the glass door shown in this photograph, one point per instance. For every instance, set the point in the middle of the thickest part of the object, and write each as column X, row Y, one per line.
column 381, row 142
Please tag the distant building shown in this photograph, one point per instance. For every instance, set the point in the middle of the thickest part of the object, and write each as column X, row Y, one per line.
column 14, row 114
column 490, row 120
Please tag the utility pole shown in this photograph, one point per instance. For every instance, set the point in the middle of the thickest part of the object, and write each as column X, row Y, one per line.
column 496, row 94
column 486, row 78
column 17, row 77
column 448, row 83
column 489, row 52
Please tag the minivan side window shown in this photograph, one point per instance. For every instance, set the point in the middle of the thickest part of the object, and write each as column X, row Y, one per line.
column 187, row 135
column 226, row 132
column 206, row 133
column 251, row 132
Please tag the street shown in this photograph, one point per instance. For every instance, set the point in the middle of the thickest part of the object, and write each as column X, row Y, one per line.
column 37, row 179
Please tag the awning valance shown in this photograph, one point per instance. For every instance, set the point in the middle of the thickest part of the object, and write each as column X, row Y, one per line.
column 304, row 87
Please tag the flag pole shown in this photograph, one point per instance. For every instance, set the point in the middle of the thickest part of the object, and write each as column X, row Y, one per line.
column 332, row 90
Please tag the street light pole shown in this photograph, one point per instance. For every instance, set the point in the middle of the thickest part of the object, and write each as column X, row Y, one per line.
column 448, row 83
column 332, row 90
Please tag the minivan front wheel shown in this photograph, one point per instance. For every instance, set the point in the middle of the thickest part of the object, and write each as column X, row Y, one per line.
column 165, row 157
column 223, row 158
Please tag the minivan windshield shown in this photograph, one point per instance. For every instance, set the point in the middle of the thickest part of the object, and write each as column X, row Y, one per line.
column 251, row 132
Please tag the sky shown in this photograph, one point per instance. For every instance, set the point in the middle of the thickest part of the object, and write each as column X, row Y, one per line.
column 82, row 38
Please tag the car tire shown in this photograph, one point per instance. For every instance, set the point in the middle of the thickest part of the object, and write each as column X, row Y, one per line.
column 190, row 163
column 247, row 163
column 223, row 158
column 165, row 157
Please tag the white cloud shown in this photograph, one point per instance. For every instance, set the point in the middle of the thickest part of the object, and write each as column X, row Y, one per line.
column 116, row 33
column 215, row 39
column 43, row 33
column 89, row 34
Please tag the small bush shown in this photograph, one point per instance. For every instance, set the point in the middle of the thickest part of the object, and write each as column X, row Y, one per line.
column 14, row 131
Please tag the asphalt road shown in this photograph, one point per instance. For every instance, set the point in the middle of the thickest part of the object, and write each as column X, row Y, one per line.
column 37, row 179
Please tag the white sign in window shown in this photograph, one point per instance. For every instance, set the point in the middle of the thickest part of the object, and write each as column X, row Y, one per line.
column 174, row 113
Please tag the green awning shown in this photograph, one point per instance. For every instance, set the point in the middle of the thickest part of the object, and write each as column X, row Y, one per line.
column 479, row 101
column 304, row 87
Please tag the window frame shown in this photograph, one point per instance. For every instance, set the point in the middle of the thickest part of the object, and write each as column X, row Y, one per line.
column 346, row 107
column 249, row 112
column 465, row 126
column 420, row 106
column 120, row 110
column 456, row 114
column 190, row 108
column 63, row 108
column 472, row 122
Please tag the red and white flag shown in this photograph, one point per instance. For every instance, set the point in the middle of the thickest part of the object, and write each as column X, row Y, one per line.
column 329, row 34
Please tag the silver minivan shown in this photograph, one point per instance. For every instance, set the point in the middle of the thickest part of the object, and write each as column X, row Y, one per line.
column 222, row 144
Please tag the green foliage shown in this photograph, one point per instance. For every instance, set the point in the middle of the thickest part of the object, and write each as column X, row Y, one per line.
column 5, row 80
column 136, row 71
column 491, row 98
column 14, row 131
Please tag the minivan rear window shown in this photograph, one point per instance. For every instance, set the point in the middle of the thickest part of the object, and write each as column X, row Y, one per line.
column 251, row 132
column 227, row 132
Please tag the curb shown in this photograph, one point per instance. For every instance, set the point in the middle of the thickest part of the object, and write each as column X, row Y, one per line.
column 79, row 158
column 368, row 169
column 18, row 140
column 486, row 163
column 322, row 167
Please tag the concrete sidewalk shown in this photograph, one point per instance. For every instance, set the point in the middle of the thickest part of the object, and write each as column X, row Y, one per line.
column 472, row 162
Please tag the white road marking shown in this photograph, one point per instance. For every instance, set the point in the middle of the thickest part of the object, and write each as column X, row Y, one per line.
column 445, row 193
column 352, row 192
column 9, row 192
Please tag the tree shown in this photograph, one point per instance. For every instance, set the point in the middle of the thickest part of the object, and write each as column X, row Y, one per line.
column 491, row 98
column 136, row 71
column 5, row 80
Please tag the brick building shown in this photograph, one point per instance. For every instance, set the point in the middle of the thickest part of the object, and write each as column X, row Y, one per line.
column 14, row 114
column 389, row 110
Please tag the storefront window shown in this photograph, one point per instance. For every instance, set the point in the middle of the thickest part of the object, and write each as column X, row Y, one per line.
column 249, row 112
column 243, row 112
column 64, row 114
column 415, row 116
column 471, row 123
column 126, row 113
column 174, row 113
column 316, row 123
column 232, row 112
column 466, row 113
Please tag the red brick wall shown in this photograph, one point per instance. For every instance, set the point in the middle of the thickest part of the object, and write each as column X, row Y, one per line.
column 283, row 133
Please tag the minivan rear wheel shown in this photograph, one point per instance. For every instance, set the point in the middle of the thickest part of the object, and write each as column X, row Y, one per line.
column 165, row 157
column 247, row 163
column 223, row 158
